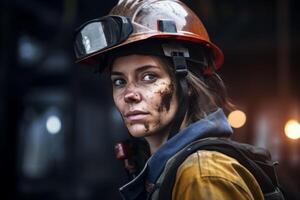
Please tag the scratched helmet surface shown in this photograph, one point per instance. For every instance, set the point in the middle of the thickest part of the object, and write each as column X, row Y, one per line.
column 163, row 19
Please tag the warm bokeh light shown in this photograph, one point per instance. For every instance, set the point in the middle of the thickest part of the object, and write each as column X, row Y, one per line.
column 237, row 118
column 292, row 129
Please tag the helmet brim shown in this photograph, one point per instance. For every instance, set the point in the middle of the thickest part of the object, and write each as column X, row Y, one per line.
column 218, row 54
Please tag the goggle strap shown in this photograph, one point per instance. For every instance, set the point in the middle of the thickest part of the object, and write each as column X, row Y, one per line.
column 182, row 88
column 170, row 48
column 179, row 63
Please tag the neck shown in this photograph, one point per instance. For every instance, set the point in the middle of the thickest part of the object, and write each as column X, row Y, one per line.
column 156, row 140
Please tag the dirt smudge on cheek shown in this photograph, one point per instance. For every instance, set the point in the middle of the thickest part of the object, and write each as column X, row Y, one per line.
column 166, row 98
column 157, row 123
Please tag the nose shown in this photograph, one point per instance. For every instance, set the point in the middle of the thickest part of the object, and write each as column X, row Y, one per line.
column 132, row 96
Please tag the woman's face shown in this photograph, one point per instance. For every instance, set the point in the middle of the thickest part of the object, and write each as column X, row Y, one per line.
column 144, row 94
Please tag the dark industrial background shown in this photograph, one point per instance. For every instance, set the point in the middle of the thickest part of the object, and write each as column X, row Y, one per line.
column 38, row 79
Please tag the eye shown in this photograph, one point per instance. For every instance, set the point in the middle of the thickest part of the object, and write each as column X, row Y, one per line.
column 149, row 77
column 118, row 82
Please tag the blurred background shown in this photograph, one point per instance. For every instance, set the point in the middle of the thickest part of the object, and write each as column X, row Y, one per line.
column 58, row 125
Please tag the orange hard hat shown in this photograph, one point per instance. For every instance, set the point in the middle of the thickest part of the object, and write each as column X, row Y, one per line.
column 150, row 19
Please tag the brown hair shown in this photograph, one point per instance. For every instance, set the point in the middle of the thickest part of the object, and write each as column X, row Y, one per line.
column 207, row 93
column 205, row 96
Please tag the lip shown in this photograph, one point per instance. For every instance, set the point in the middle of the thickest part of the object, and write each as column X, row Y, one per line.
column 136, row 115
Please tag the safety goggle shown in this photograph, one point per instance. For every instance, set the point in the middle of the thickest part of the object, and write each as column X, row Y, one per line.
column 100, row 34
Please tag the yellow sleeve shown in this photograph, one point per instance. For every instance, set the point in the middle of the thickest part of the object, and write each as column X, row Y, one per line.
column 207, row 175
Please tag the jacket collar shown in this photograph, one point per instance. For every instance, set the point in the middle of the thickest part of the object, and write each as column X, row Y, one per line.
column 214, row 125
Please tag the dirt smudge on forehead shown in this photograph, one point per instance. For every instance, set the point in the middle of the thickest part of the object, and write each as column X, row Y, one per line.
column 166, row 98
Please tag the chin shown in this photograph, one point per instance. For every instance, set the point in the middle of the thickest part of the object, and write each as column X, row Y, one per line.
column 138, row 130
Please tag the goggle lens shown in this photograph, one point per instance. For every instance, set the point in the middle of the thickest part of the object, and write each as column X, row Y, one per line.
column 99, row 34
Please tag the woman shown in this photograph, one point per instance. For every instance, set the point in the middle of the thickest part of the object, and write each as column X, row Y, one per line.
column 162, row 67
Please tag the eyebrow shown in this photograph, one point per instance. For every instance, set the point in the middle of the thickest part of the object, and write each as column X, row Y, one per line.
column 140, row 69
